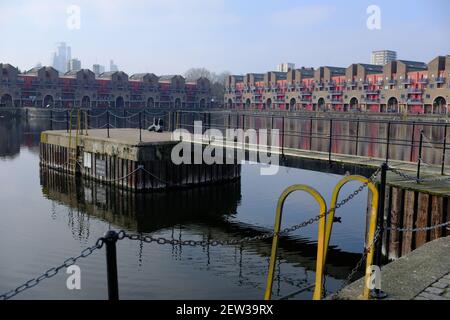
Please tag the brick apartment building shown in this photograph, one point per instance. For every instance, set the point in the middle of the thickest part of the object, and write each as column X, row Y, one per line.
column 399, row 87
column 41, row 87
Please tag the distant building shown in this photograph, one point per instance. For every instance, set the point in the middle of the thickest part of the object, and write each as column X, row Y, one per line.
column 285, row 67
column 73, row 65
column 98, row 69
column 61, row 57
column 113, row 67
column 381, row 57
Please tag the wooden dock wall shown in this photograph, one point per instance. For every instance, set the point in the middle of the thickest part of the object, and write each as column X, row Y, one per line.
column 159, row 173
column 411, row 208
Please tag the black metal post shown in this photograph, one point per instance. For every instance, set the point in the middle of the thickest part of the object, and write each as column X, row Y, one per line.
column 51, row 119
column 444, row 149
column 107, row 122
column 140, row 126
column 282, row 135
column 412, row 141
column 388, row 141
column 124, row 122
column 377, row 293
column 229, row 120
column 110, row 240
column 357, row 137
column 243, row 122
column 67, row 120
column 330, row 141
column 310, row 132
column 420, row 154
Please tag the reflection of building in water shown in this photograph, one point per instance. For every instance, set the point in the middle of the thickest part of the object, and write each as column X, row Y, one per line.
column 15, row 133
column 206, row 209
column 10, row 135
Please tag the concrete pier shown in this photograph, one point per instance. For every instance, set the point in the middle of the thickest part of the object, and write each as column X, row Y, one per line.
column 129, row 158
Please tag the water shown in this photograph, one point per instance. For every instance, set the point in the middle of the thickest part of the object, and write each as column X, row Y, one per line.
column 46, row 218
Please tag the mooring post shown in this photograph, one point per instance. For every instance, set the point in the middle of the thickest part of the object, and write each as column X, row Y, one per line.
column 110, row 240
column 377, row 293
column 444, row 149
column 357, row 136
column 330, row 141
column 140, row 126
column 107, row 122
column 420, row 154
column 388, row 141
column 412, row 141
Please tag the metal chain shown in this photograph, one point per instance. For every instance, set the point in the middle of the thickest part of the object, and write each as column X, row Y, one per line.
column 417, row 180
column 358, row 265
column 52, row 271
column 213, row 243
column 440, row 225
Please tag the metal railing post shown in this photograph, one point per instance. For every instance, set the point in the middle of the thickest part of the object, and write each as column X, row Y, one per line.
column 140, row 126
column 412, row 141
column 243, row 122
column 51, row 119
column 67, row 120
column 388, row 141
column 420, row 154
column 282, row 136
column 357, row 137
column 444, row 149
column 330, row 141
column 378, row 293
column 107, row 122
column 110, row 240
column 310, row 133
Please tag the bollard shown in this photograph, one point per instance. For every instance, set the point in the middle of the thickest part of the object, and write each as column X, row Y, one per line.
column 420, row 154
column 110, row 240
column 378, row 293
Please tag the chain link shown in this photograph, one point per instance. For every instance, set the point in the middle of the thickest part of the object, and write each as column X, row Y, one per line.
column 52, row 271
column 417, row 180
column 358, row 265
column 437, row 226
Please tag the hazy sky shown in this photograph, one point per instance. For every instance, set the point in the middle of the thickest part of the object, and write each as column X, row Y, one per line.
column 170, row 36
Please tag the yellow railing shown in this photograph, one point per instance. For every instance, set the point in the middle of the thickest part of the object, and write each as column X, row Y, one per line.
column 324, row 232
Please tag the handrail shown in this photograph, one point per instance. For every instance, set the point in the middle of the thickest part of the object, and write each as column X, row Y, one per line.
column 372, row 225
column 320, row 241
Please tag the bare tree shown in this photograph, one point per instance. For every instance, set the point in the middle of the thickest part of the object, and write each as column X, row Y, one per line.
column 217, row 81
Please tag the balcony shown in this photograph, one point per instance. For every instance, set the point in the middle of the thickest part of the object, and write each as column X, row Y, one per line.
column 352, row 83
column 415, row 91
column 406, row 81
column 439, row 80
column 372, row 101
column 371, row 91
column 336, row 92
column 414, row 101
column 392, row 82
column 423, row 80
column 305, row 99
column 305, row 94
column 336, row 101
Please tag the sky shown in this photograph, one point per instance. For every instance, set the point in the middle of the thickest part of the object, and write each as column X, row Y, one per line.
column 240, row 36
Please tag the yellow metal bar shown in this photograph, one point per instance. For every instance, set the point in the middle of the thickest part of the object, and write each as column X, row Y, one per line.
column 320, row 241
column 372, row 226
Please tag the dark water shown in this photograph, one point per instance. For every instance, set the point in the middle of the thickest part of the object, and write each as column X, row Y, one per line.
column 46, row 218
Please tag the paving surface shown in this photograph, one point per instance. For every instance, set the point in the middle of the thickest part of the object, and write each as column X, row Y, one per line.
column 422, row 274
